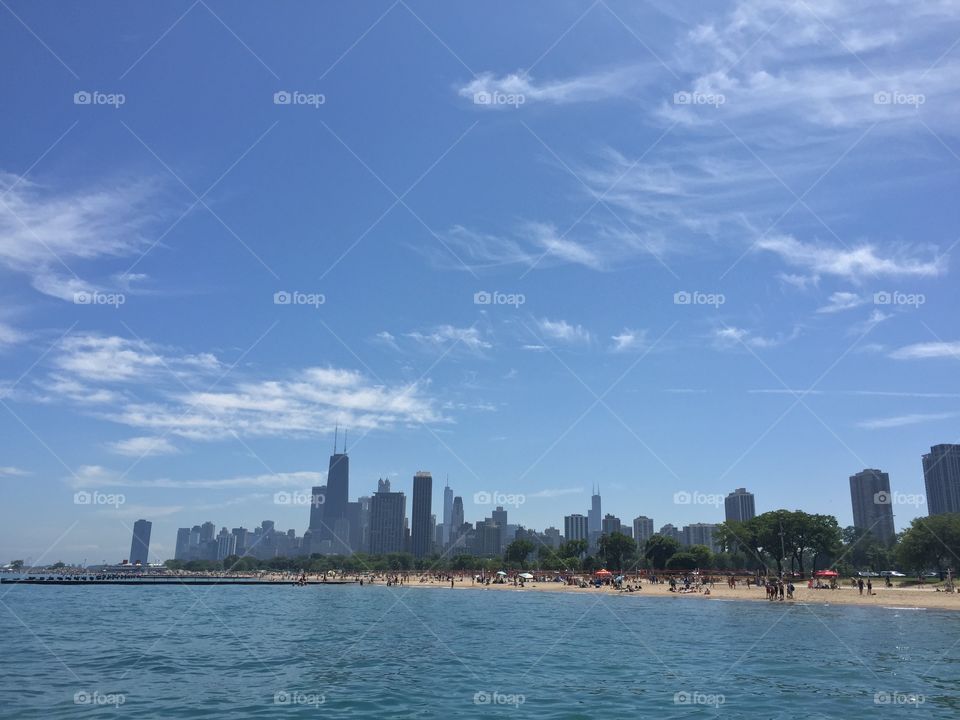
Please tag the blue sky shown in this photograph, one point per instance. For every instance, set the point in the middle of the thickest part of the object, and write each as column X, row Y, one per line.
column 733, row 232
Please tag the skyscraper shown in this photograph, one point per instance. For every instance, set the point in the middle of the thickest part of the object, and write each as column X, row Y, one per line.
column 421, row 540
column 610, row 524
column 642, row 529
column 226, row 544
column 182, row 551
column 456, row 517
column 941, row 475
column 140, row 545
column 447, row 512
column 387, row 511
column 739, row 506
column 699, row 534
column 318, row 496
column 594, row 518
column 499, row 516
column 335, row 523
column 575, row 527
column 872, row 507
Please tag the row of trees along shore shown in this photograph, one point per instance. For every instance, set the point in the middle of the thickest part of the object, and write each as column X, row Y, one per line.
column 774, row 542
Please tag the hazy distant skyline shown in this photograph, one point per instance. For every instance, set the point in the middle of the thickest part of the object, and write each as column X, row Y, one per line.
column 658, row 247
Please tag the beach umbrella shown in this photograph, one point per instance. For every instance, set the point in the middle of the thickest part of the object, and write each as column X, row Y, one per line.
column 526, row 576
column 826, row 573
column 603, row 573
column 500, row 572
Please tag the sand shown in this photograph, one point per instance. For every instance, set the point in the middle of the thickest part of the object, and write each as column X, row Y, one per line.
column 883, row 597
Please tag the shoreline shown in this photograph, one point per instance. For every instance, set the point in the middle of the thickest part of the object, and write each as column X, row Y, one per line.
column 882, row 598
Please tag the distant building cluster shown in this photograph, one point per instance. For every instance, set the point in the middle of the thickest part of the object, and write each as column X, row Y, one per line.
column 379, row 523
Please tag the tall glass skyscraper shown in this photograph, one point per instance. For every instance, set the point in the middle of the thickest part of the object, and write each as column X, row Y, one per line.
column 594, row 518
column 421, row 536
column 941, row 475
column 739, row 506
column 447, row 512
column 872, row 504
column 140, row 545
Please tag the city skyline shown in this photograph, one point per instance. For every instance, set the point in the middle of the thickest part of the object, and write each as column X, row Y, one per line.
column 523, row 257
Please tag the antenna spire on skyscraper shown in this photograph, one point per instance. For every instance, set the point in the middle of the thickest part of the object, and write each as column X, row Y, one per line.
column 336, row 431
column 344, row 441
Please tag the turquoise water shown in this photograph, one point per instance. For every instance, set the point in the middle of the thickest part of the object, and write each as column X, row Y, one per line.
column 374, row 651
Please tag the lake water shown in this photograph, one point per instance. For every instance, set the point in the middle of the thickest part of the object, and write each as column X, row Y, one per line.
column 374, row 651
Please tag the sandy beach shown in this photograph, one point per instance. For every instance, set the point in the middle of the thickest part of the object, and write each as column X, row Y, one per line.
column 919, row 598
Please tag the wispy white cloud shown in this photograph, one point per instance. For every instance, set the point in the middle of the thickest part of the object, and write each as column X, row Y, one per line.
column 10, row 471
column 904, row 420
column 46, row 233
column 446, row 335
column 628, row 339
column 840, row 301
column 562, row 331
column 856, row 264
column 97, row 477
column 143, row 446
column 486, row 88
column 927, row 350
column 728, row 337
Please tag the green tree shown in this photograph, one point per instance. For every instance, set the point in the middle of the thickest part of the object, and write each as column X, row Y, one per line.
column 573, row 549
column 658, row 549
column 682, row 561
column 702, row 555
column 517, row 551
column 616, row 550
column 931, row 543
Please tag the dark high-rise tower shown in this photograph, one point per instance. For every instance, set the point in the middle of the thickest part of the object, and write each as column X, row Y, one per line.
column 594, row 518
column 739, row 506
column 941, row 475
column 447, row 512
column 387, row 510
column 872, row 504
column 421, row 539
column 140, row 545
column 335, row 524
